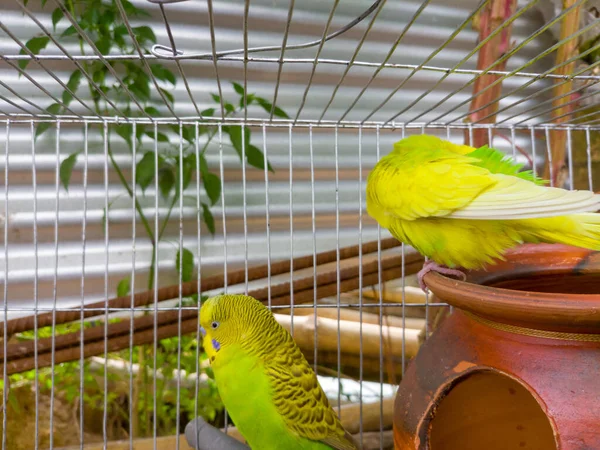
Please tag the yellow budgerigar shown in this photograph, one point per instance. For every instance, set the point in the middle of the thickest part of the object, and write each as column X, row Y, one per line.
column 464, row 207
column 266, row 384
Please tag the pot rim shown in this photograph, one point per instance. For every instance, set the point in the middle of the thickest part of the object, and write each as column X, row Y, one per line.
column 575, row 313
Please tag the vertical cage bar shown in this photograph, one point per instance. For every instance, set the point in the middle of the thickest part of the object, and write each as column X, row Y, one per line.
column 35, row 289
column 199, row 277
column 106, row 262
column 82, row 289
column 225, row 418
column 221, row 172
column 360, row 288
column 132, row 286
column 291, row 174
column 54, row 283
column 337, row 268
column 549, row 151
column 179, row 309
column 380, row 304
column 533, row 155
column 570, row 159
column 5, row 288
column 314, row 239
column 155, row 288
column 245, row 208
column 267, row 216
column 588, row 149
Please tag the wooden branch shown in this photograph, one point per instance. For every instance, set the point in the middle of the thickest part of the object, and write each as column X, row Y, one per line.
column 170, row 292
column 190, row 322
column 558, row 138
column 489, row 19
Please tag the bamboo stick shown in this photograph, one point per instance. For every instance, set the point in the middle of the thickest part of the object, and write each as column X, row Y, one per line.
column 350, row 336
column 412, row 295
column 353, row 315
column 558, row 138
column 489, row 19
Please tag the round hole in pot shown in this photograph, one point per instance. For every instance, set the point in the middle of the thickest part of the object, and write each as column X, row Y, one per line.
column 491, row 411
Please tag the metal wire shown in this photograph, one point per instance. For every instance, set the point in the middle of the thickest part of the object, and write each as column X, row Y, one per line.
column 319, row 50
column 388, row 56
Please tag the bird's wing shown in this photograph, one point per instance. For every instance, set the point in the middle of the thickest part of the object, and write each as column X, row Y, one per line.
column 432, row 184
column 515, row 198
column 300, row 400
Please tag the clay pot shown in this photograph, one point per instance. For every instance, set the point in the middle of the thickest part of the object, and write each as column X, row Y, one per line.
column 516, row 365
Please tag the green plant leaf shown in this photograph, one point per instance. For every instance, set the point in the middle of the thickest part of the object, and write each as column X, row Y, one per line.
column 103, row 45
column 69, row 31
column 235, row 136
column 238, row 88
column 256, row 158
column 209, row 112
column 144, row 171
column 168, row 95
column 229, row 107
column 210, row 181
column 160, row 137
column 152, row 111
column 123, row 287
column 216, row 98
column 166, row 181
column 53, row 109
column 125, row 130
column 35, row 45
column 250, row 99
column 66, row 169
column 73, row 85
column 267, row 107
column 144, row 34
column 189, row 165
column 163, row 74
column 187, row 264
column 189, row 133
column 208, row 218
column 57, row 15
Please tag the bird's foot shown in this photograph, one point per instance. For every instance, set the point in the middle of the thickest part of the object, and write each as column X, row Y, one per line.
column 432, row 266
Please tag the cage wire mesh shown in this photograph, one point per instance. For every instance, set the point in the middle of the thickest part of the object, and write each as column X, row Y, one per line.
column 135, row 172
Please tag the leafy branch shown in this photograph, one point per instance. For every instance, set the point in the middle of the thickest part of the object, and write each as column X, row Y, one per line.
column 134, row 86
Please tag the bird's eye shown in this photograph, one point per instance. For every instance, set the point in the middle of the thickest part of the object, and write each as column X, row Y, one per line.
column 214, row 325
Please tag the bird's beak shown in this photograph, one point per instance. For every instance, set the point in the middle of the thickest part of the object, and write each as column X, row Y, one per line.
column 203, row 331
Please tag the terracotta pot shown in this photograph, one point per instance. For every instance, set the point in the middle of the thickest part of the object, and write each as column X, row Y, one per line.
column 517, row 363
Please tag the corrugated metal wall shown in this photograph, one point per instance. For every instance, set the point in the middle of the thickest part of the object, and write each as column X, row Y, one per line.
column 266, row 24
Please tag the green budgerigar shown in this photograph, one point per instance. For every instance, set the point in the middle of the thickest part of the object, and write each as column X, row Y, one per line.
column 266, row 384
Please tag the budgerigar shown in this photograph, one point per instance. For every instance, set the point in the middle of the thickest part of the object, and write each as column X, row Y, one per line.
column 464, row 207
column 266, row 384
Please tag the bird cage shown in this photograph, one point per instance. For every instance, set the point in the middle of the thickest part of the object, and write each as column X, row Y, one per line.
column 155, row 153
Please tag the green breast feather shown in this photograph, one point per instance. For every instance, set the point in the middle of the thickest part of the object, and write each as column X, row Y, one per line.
column 497, row 162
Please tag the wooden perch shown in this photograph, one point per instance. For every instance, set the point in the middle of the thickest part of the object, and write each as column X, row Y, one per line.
column 558, row 138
